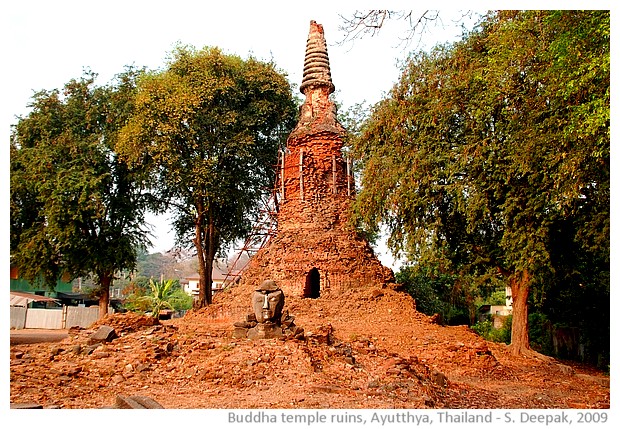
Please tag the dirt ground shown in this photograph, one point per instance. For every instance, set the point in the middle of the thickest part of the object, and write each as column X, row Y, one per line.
column 366, row 348
column 31, row 336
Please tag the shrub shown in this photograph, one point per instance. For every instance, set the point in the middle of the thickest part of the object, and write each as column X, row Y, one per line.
column 487, row 331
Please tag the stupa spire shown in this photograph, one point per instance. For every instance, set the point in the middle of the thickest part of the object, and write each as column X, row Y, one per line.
column 314, row 252
column 317, row 113
column 316, row 64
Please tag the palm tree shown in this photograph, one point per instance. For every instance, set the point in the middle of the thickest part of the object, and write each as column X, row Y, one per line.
column 160, row 293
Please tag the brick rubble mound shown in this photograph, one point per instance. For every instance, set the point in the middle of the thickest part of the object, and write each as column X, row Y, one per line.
column 368, row 348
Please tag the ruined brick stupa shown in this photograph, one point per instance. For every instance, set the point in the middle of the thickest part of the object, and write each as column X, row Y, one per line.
column 314, row 250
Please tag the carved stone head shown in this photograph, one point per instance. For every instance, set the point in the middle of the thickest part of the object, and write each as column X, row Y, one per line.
column 267, row 302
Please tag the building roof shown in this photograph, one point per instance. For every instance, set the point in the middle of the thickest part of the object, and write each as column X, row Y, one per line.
column 22, row 299
column 75, row 295
column 217, row 274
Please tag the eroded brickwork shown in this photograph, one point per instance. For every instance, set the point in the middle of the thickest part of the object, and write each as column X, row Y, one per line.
column 314, row 249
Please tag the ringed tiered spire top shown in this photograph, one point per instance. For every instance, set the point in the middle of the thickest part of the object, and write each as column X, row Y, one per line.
column 318, row 112
column 316, row 64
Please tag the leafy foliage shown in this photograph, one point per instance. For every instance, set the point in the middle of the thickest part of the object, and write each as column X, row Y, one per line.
column 455, row 298
column 540, row 333
column 180, row 300
column 207, row 129
column 432, row 291
column 493, row 154
column 158, row 299
column 134, row 289
column 487, row 331
column 146, row 295
column 76, row 208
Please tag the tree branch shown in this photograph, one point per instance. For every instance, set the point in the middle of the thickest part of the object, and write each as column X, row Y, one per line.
column 370, row 22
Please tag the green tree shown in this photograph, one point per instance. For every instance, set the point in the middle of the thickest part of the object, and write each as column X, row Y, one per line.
column 181, row 300
column 137, row 287
column 430, row 289
column 159, row 299
column 208, row 128
column 144, row 294
column 486, row 147
column 76, row 208
column 439, row 289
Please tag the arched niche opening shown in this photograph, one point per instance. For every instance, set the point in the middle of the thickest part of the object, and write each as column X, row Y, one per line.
column 312, row 289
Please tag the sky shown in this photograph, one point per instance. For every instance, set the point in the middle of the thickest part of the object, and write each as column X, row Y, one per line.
column 49, row 43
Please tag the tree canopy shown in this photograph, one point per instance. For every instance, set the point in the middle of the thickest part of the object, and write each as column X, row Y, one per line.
column 76, row 208
column 207, row 128
column 491, row 155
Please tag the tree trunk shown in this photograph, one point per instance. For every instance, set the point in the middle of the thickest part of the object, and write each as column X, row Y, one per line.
column 208, row 278
column 199, row 243
column 520, row 285
column 104, row 294
column 211, row 245
column 205, row 271
column 205, row 242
